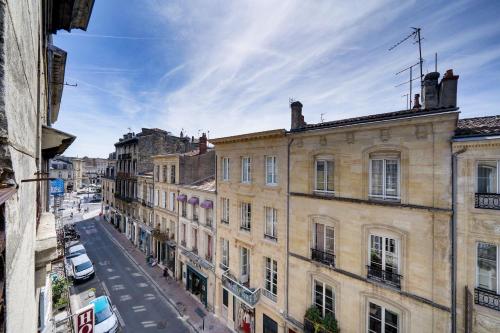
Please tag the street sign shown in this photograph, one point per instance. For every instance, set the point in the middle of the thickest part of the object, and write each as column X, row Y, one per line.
column 57, row 187
column 84, row 319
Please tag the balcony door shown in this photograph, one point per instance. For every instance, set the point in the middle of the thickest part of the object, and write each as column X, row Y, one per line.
column 244, row 266
column 323, row 238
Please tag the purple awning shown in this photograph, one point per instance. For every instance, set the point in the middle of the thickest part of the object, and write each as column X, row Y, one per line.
column 208, row 204
column 182, row 197
column 193, row 201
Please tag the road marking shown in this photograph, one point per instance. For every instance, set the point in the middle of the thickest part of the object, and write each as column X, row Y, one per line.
column 120, row 319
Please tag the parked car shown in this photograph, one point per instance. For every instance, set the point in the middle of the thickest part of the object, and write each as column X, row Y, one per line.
column 106, row 320
column 82, row 268
column 75, row 251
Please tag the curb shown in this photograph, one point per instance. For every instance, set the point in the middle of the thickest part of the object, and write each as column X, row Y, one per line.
column 155, row 284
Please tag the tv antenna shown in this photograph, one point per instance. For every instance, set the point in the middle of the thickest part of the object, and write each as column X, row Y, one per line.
column 129, row 129
column 407, row 99
column 410, row 68
column 415, row 34
column 322, row 118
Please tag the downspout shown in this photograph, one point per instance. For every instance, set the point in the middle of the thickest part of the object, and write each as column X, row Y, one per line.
column 287, row 223
column 215, row 239
column 454, row 186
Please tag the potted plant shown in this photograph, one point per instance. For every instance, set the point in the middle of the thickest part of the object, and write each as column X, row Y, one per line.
column 314, row 322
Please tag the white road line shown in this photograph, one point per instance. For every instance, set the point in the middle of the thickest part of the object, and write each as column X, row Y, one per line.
column 120, row 319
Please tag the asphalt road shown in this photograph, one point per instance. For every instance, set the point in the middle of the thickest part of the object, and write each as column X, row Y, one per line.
column 141, row 308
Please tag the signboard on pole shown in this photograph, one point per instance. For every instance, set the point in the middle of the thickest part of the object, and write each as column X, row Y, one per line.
column 84, row 319
column 57, row 187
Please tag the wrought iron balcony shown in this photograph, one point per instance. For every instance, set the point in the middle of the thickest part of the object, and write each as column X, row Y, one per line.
column 326, row 258
column 487, row 200
column 249, row 295
column 269, row 294
column 388, row 278
column 487, row 298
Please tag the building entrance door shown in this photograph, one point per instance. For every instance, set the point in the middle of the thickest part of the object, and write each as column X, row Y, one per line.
column 197, row 285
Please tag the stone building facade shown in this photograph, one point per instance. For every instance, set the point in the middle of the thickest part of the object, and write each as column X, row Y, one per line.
column 31, row 73
column 251, row 230
column 108, row 189
column 477, row 149
column 78, row 173
column 61, row 167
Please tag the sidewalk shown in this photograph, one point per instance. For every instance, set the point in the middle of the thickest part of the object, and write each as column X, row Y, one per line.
column 179, row 298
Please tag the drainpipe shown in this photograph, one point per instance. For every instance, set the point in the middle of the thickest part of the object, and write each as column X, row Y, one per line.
column 454, row 186
column 287, row 223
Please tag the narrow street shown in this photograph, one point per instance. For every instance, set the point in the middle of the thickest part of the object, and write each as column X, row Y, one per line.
column 140, row 306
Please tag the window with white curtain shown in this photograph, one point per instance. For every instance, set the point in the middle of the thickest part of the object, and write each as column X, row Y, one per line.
column 271, row 279
column 246, row 215
column 488, row 177
column 271, row 223
column 225, row 210
column 487, row 267
column 225, row 252
column 246, row 176
column 385, row 177
column 225, row 168
column 271, row 169
column 324, row 176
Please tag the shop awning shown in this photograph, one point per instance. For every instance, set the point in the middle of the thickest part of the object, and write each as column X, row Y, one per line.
column 193, row 201
column 207, row 204
column 182, row 197
column 55, row 142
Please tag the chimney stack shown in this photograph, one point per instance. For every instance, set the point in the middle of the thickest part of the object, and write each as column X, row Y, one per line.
column 297, row 117
column 448, row 90
column 430, row 98
column 202, row 145
column 416, row 102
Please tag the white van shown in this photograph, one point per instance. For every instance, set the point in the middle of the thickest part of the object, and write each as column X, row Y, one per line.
column 82, row 268
column 75, row 251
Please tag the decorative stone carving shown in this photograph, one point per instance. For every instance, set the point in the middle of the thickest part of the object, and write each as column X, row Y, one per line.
column 349, row 136
column 385, row 134
column 421, row 132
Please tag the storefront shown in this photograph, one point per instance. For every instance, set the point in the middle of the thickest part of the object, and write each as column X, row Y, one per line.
column 244, row 320
column 169, row 261
column 145, row 240
column 196, row 284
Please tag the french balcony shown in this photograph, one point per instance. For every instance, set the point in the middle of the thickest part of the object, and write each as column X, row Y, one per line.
column 249, row 295
column 326, row 258
column 487, row 298
column 487, row 201
column 389, row 278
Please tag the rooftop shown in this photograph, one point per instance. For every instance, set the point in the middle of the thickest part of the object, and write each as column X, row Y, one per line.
column 207, row 184
column 480, row 126
column 402, row 114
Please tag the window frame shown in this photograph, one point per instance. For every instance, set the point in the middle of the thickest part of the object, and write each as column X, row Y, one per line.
column 325, row 181
column 246, row 170
column 398, row 250
column 225, row 169
column 246, row 216
column 384, row 195
column 497, row 176
column 274, row 168
column 497, row 291
column 225, row 210
column 271, row 271
column 334, row 298
column 274, row 223
column 244, row 277
column 315, row 236
column 225, row 252
column 382, row 317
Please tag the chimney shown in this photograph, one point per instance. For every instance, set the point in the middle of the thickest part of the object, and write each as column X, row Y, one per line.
column 430, row 98
column 448, row 90
column 202, row 145
column 416, row 102
column 297, row 117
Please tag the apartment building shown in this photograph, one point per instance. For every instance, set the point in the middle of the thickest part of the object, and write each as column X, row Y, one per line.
column 197, row 238
column 476, row 146
column 170, row 172
column 251, row 230
column 142, row 214
column 62, row 167
column 108, row 189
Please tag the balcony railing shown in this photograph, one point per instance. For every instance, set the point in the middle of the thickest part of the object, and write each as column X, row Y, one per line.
column 208, row 222
column 245, row 227
column 208, row 258
column 323, row 257
column 194, row 250
column 248, row 295
column 269, row 294
column 388, row 278
column 183, row 243
column 487, row 298
column 487, row 201
column 223, row 221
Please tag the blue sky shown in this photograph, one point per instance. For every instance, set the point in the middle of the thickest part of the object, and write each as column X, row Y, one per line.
column 230, row 67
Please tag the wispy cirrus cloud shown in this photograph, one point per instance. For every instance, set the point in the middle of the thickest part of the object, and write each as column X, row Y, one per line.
column 231, row 67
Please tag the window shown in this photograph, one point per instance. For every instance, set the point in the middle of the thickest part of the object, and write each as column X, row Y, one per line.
column 183, row 234
column 487, row 267
column 225, row 252
column 209, row 248
column 271, row 177
column 172, row 174
column 324, row 298
column 225, row 168
column 225, row 297
column 246, row 215
column 164, row 199
column 324, row 176
column 244, row 265
column 384, row 178
column 157, row 173
column 271, row 279
column 487, row 177
column 195, row 212
column 184, row 208
column 246, row 170
column 225, row 210
column 194, row 241
column 324, row 244
column 271, row 223
column 157, row 198
column 384, row 259
column 164, row 173
column 208, row 217
column 172, row 201
column 382, row 320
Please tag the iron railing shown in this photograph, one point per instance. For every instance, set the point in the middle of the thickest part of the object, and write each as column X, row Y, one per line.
column 487, row 201
column 389, row 278
column 248, row 295
column 326, row 258
column 487, row 298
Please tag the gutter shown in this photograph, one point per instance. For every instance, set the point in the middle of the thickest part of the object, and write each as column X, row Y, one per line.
column 287, row 224
column 453, row 227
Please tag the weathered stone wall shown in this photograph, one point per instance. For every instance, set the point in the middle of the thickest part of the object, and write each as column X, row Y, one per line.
column 198, row 167
column 20, row 22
